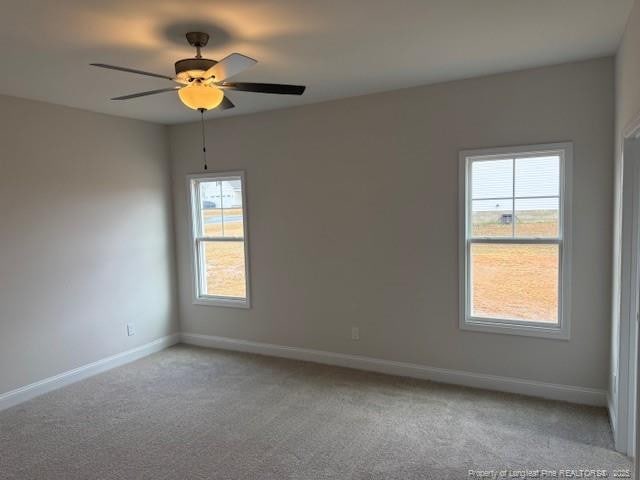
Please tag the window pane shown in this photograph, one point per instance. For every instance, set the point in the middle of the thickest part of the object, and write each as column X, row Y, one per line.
column 538, row 177
column 537, row 217
column 492, row 218
column 492, row 178
column 518, row 282
column 221, row 203
column 225, row 222
column 225, row 272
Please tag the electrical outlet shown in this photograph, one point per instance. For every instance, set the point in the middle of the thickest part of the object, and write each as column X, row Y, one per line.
column 131, row 329
column 355, row 333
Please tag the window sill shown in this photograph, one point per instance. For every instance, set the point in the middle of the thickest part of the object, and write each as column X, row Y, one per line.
column 508, row 328
column 222, row 302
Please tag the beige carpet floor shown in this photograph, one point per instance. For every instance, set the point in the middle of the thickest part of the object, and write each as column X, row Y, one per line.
column 191, row 413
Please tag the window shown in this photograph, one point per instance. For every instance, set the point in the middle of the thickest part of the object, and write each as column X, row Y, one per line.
column 219, row 225
column 515, row 240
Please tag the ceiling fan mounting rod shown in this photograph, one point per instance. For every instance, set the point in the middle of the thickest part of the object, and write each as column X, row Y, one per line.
column 198, row 40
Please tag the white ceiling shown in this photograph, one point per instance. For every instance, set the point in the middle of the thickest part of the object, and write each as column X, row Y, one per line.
column 338, row 48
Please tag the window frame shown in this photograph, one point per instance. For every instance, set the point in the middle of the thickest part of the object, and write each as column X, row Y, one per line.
column 197, row 271
column 560, row 330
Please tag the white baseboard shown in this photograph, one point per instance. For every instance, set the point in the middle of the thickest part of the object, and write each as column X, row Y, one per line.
column 589, row 396
column 568, row 393
column 28, row 392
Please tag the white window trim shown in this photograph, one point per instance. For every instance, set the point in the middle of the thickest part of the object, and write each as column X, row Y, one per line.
column 196, row 269
column 513, row 327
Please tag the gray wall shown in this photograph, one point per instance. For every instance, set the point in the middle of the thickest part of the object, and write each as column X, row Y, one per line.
column 627, row 103
column 385, row 256
column 86, row 235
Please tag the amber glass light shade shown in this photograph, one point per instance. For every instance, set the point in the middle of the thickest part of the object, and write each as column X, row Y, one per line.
column 199, row 96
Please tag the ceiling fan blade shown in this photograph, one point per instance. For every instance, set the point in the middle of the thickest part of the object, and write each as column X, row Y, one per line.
column 131, row 70
column 144, row 94
column 226, row 104
column 264, row 88
column 229, row 66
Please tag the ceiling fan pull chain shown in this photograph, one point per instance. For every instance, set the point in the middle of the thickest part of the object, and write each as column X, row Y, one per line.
column 204, row 146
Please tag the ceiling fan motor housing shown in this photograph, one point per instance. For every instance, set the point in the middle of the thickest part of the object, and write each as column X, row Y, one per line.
column 187, row 64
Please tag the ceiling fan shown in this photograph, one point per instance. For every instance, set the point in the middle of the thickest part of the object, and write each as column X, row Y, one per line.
column 203, row 82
